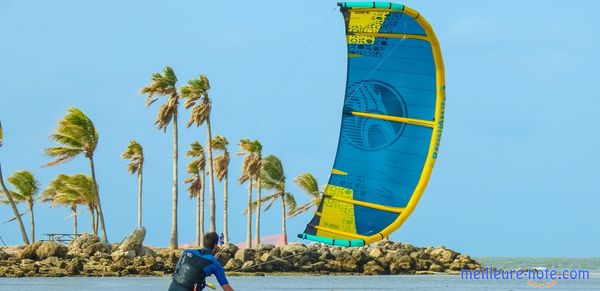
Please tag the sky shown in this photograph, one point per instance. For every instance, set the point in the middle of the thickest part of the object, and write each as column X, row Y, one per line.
column 517, row 173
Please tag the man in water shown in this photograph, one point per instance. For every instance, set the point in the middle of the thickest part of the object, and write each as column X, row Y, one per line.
column 197, row 264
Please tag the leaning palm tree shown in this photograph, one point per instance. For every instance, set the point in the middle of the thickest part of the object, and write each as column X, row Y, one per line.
column 308, row 183
column 273, row 178
column 197, row 98
column 76, row 135
column 250, row 170
column 196, row 168
column 12, row 203
column 71, row 191
column 135, row 154
column 222, row 171
column 27, row 188
column 165, row 84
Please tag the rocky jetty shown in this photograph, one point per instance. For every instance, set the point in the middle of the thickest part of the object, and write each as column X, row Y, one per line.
column 88, row 256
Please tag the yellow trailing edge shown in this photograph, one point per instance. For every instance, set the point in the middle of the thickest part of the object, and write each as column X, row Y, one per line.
column 366, row 204
column 413, row 121
column 390, row 35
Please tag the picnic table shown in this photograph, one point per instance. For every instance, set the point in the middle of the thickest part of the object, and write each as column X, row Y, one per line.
column 61, row 237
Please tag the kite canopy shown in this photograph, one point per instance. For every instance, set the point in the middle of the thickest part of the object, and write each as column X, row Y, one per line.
column 392, row 121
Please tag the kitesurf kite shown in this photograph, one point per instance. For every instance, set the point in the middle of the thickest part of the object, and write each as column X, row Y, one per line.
column 392, row 121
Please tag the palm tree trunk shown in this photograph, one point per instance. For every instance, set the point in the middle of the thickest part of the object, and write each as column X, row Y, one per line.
column 283, row 220
column 74, row 209
column 225, row 201
column 96, row 222
column 212, row 226
column 98, row 204
column 249, row 223
column 93, row 217
column 173, row 244
column 32, row 220
column 258, row 208
column 14, row 208
column 140, row 179
column 200, row 212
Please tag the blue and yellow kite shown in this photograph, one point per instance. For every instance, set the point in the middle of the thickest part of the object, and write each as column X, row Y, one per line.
column 392, row 121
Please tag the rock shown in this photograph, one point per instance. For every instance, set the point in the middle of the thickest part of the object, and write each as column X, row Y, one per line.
column 248, row 266
column 376, row 253
column 405, row 264
column 229, row 248
column 80, row 247
column 359, row 255
column 51, row 249
column 29, row 251
column 233, row 264
column 264, row 247
column 373, row 268
column 148, row 252
column 98, row 247
column 443, row 255
column 244, row 254
column 118, row 255
column 293, row 249
column 134, row 241
column 436, row 268
column 266, row 257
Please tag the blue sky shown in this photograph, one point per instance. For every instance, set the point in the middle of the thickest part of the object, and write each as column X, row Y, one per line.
column 517, row 171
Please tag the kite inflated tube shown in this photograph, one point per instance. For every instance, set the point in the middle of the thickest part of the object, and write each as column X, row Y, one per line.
column 392, row 122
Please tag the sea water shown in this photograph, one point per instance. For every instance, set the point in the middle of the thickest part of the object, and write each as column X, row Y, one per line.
column 334, row 282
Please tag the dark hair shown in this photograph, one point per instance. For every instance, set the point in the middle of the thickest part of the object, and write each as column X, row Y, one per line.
column 210, row 240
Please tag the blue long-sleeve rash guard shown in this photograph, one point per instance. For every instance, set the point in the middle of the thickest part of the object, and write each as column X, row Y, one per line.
column 213, row 269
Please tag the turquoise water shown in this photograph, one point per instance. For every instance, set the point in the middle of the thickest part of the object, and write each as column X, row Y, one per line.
column 407, row 282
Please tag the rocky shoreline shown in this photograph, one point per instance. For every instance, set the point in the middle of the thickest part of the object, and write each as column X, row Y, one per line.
column 88, row 256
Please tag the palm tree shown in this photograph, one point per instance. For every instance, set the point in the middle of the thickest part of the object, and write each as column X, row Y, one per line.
column 196, row 95
column 308, row 183
column 135, row 154
column 27, row 188
column 76, row 135
column 165, row 84
column 11, row 201
column 71, row 191
column 222, row 170
column 273, row 177
column 196, row 168
column 251, row 165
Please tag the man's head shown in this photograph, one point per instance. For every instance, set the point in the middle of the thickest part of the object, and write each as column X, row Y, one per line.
column 211, row 239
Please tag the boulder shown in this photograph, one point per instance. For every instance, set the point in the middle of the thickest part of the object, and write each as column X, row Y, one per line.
column 80, row 247
column 29, row 251
column 264, row 247
column 248, row 266
column 233, row 264
column 443, row 255
column 51, row 249
column 376, row 253
column 359, row 255
column 244, row 254
column 118, row 255
column 405, row 264
column 373, row 268
column 133, row 242
column 148, row 252
column 436, row 268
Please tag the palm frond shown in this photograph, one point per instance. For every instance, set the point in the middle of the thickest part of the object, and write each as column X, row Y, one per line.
column 135, row 154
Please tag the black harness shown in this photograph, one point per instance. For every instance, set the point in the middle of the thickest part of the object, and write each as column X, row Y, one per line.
column 189, row 272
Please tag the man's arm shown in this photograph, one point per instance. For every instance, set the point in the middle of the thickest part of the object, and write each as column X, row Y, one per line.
column 226, row 287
